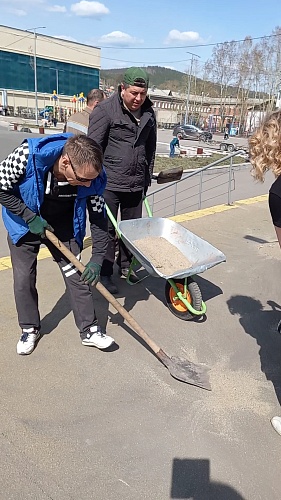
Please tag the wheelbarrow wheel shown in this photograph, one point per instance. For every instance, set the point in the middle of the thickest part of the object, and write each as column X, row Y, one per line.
column 193, row 296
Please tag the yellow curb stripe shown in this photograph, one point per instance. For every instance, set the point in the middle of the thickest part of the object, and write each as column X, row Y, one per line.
column 87, row 242
column 255, row 199
column 5, row 262
column 197, row 214
column 202, row 213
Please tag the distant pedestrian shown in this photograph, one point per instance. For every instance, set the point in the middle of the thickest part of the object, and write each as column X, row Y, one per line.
column 173, row 144
column 79, row 122
column 226, row 131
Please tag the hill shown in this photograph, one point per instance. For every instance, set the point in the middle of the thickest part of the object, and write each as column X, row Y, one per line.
column 159, row 76
column 166, row 78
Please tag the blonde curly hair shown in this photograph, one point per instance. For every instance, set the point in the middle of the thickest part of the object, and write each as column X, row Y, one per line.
column 265, row 147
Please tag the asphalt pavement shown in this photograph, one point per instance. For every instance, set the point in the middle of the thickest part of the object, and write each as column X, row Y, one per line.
column 77, row 422
column 81, row 423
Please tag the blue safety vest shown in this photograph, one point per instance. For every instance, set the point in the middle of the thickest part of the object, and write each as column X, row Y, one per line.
column 43, row 153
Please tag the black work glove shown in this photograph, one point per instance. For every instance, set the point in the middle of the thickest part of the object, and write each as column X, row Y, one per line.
column 91, row 273
column 37, row 225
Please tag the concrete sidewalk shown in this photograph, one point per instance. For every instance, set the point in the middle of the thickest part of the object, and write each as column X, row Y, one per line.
column 81, row 423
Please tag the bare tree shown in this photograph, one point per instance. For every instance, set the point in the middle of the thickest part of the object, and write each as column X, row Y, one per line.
column 223, row 71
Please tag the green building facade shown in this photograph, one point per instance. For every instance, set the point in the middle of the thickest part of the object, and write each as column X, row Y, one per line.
column 17, row 72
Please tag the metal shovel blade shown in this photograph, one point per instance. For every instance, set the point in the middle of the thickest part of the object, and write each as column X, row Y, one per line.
column 186, row 371
column 169, row 175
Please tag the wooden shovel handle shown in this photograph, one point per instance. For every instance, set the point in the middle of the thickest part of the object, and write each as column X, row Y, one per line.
column 106, row 294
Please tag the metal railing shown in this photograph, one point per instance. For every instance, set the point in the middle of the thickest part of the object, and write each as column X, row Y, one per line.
column 201, row 188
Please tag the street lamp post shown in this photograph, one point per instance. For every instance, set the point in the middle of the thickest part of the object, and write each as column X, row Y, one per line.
column 35, row 69
column 189, row 86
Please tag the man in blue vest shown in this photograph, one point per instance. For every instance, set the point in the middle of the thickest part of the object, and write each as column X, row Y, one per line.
column 50, row 183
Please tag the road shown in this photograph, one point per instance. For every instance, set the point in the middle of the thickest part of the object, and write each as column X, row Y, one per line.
column 165, row 137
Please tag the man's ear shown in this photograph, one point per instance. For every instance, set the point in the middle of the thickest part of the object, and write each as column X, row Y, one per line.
column 63, row 163
column 122, row 90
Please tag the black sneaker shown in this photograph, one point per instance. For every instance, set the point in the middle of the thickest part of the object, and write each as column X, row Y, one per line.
column 107, row 282
column 124, row 272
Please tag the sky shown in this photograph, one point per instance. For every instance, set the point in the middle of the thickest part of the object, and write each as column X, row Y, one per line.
column 146, row 32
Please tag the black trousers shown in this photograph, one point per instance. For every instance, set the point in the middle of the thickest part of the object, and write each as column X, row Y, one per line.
column 130, row 205
column 24, row 262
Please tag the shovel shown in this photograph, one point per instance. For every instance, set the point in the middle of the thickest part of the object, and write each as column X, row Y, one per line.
column 179, row 368
column 169, row 175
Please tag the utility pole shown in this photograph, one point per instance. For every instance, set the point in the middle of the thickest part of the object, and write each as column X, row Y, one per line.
column 189, row 86
column 35, row 69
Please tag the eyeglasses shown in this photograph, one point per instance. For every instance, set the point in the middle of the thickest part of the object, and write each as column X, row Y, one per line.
column 79, row 179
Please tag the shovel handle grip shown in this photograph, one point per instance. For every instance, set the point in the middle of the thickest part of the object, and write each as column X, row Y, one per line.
column 106, row 294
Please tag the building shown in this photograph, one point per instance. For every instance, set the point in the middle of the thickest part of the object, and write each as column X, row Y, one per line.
column 61, row 69
column 207, row 112
column 39, row 71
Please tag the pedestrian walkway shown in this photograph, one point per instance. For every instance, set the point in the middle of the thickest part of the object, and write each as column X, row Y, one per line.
column 115, row 425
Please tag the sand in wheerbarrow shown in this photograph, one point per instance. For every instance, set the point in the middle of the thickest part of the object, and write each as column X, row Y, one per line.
column 163, row 255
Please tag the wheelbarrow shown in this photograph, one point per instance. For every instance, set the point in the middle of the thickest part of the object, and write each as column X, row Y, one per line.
column 182, row 293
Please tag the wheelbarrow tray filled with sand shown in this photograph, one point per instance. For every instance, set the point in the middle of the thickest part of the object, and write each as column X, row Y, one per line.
column 170, row 251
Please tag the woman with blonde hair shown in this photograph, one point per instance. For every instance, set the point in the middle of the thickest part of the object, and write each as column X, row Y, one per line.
column 265, row 154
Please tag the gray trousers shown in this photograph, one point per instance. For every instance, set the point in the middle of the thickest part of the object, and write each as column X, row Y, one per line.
column 24, row 263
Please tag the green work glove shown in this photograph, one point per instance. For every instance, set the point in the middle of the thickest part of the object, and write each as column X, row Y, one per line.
column 91, row 273
column 37, row 226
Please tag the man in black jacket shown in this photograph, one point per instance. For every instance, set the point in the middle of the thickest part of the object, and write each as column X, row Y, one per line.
column 125, row 127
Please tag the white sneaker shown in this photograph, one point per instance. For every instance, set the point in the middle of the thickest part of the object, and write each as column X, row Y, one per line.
column 27, row 341
column 96, row 338
column 276, row 424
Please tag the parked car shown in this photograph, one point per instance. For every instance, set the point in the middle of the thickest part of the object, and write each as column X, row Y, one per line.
column 192, row 132
column 26, row 129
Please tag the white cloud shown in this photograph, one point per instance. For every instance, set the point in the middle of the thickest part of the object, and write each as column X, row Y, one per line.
column 56, row 8
column 89, row 9
column 119, row 38
column 182, row 36
column 17, row 12
column 67, row 38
